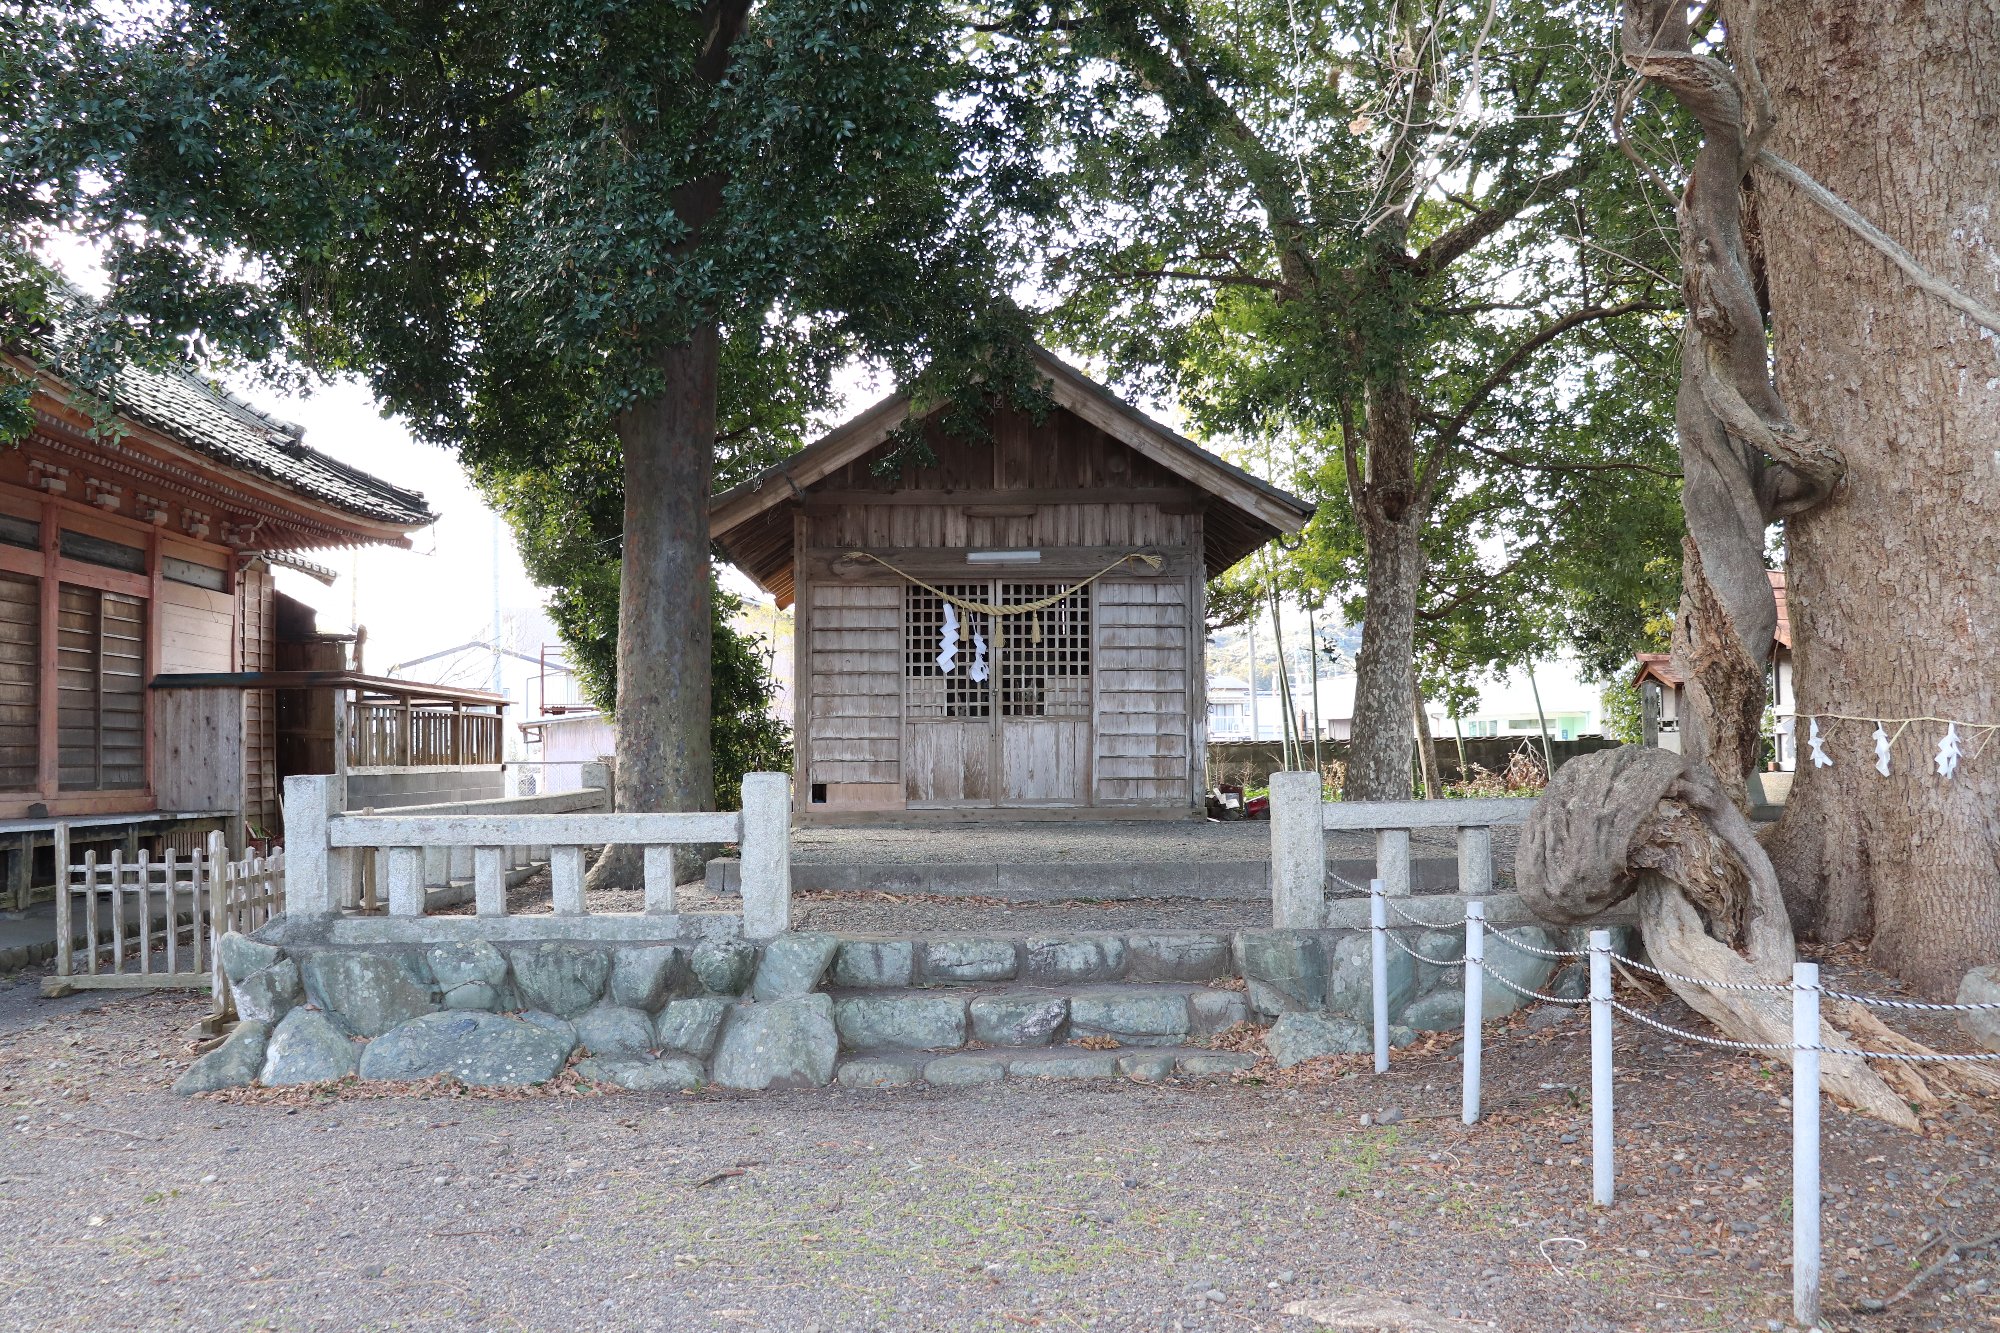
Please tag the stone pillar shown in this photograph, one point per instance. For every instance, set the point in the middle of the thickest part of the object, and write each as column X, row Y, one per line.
column 767, row 854
column 597, row 775
column 1475, row 861
column 1392, row 861
column 1298, row 852
column 314, row 872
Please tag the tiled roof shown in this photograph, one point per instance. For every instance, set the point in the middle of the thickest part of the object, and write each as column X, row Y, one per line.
column 217, row 423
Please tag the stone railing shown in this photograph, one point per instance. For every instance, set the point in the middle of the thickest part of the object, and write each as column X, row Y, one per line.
column 447, row 872
column 1300, row 821
column 321, row 842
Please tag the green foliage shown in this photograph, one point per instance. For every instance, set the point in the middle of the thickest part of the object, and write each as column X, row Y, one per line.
column 1623, row 719
column 1287, row 215
column 567, row 518
column 504, row 214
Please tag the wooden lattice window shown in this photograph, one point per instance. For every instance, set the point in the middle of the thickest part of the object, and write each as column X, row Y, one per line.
column 928, row 691
column 1045, row 659
column 100, row 690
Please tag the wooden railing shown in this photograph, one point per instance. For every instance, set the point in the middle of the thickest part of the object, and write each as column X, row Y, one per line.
column 404, row 734
column 140, row 922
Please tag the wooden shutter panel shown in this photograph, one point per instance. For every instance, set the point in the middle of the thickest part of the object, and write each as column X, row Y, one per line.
column 20, row 681
column 100, row 690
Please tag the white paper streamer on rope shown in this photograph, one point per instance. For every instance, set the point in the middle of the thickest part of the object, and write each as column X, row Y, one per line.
column 1961, row 743
column 1947, row 752
column 947, row 658
column 978, row 668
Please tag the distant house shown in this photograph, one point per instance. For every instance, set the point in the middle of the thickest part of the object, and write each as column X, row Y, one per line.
column 1661, row 690
column 1228, row 710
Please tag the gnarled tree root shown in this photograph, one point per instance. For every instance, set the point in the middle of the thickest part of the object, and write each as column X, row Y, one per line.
column 1638, row 820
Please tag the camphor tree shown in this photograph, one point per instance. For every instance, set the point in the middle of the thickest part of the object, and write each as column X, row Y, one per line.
column 1883, row 376
column 532, row 227
column 1841, row 202
column 1392, row 236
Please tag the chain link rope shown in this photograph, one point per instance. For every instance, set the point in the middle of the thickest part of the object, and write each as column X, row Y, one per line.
column 1523, row 992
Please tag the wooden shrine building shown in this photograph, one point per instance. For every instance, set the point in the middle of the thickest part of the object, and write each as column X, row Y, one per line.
column 1017, row 626
column 138, row 557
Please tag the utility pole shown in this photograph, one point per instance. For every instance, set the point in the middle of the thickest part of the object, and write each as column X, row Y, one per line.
column 1548, row 752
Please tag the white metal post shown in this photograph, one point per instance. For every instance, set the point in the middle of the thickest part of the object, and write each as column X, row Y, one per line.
column 1603, row 1170
column 1298, row 852
column 1475, row 1005
column 1378, row 923
column 1805, row 1143
column 767, row 855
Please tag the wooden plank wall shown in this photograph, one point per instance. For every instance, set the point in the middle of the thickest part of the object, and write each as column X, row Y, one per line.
column 198, row 749
column 257, row 650
column 856, row 664
column 197, row 628
column 1142, row 692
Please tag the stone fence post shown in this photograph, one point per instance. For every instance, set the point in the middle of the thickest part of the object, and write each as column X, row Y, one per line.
column 314, row 872
column 767, row 854
column 1298, row 852
column 597, row 774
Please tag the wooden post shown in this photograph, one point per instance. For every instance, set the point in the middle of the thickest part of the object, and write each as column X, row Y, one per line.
column 21, row 873
column 146, row 914
column 211, row 898
column 405, row 721
column 118, row 866
column 65, row 924
column 171, row 892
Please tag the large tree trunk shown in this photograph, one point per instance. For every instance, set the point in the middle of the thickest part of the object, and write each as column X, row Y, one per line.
column 664, row 627
column 1391, row 519
column 1894, row 584
column 1378, row 762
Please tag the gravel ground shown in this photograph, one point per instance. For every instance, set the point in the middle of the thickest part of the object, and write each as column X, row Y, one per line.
column 885, row 913
column 1110, row 840
column 1199, row 1206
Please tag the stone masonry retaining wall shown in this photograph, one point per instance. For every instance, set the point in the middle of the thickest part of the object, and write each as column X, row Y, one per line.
column 807, row 1008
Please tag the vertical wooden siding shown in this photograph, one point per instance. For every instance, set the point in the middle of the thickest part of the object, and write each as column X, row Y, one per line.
column 856, row 634
column 257, row 650
column 1142, row 693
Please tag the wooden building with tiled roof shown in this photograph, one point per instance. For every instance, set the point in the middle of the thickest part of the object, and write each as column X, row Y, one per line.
column 141, row 548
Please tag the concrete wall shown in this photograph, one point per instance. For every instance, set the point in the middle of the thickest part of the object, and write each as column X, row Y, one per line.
column 394, row 788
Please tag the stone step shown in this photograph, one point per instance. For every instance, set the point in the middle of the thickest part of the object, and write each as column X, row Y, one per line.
column 1017, row 1016
column 1068, row 958
column 1154, row 1064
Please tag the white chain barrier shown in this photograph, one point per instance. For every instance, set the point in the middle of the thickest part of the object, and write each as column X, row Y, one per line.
column 1805, row 1050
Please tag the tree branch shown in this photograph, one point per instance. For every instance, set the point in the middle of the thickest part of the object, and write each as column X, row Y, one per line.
column 1513, row 459
column 1218, row 279
column 1447, row 249
column 1511, row 364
